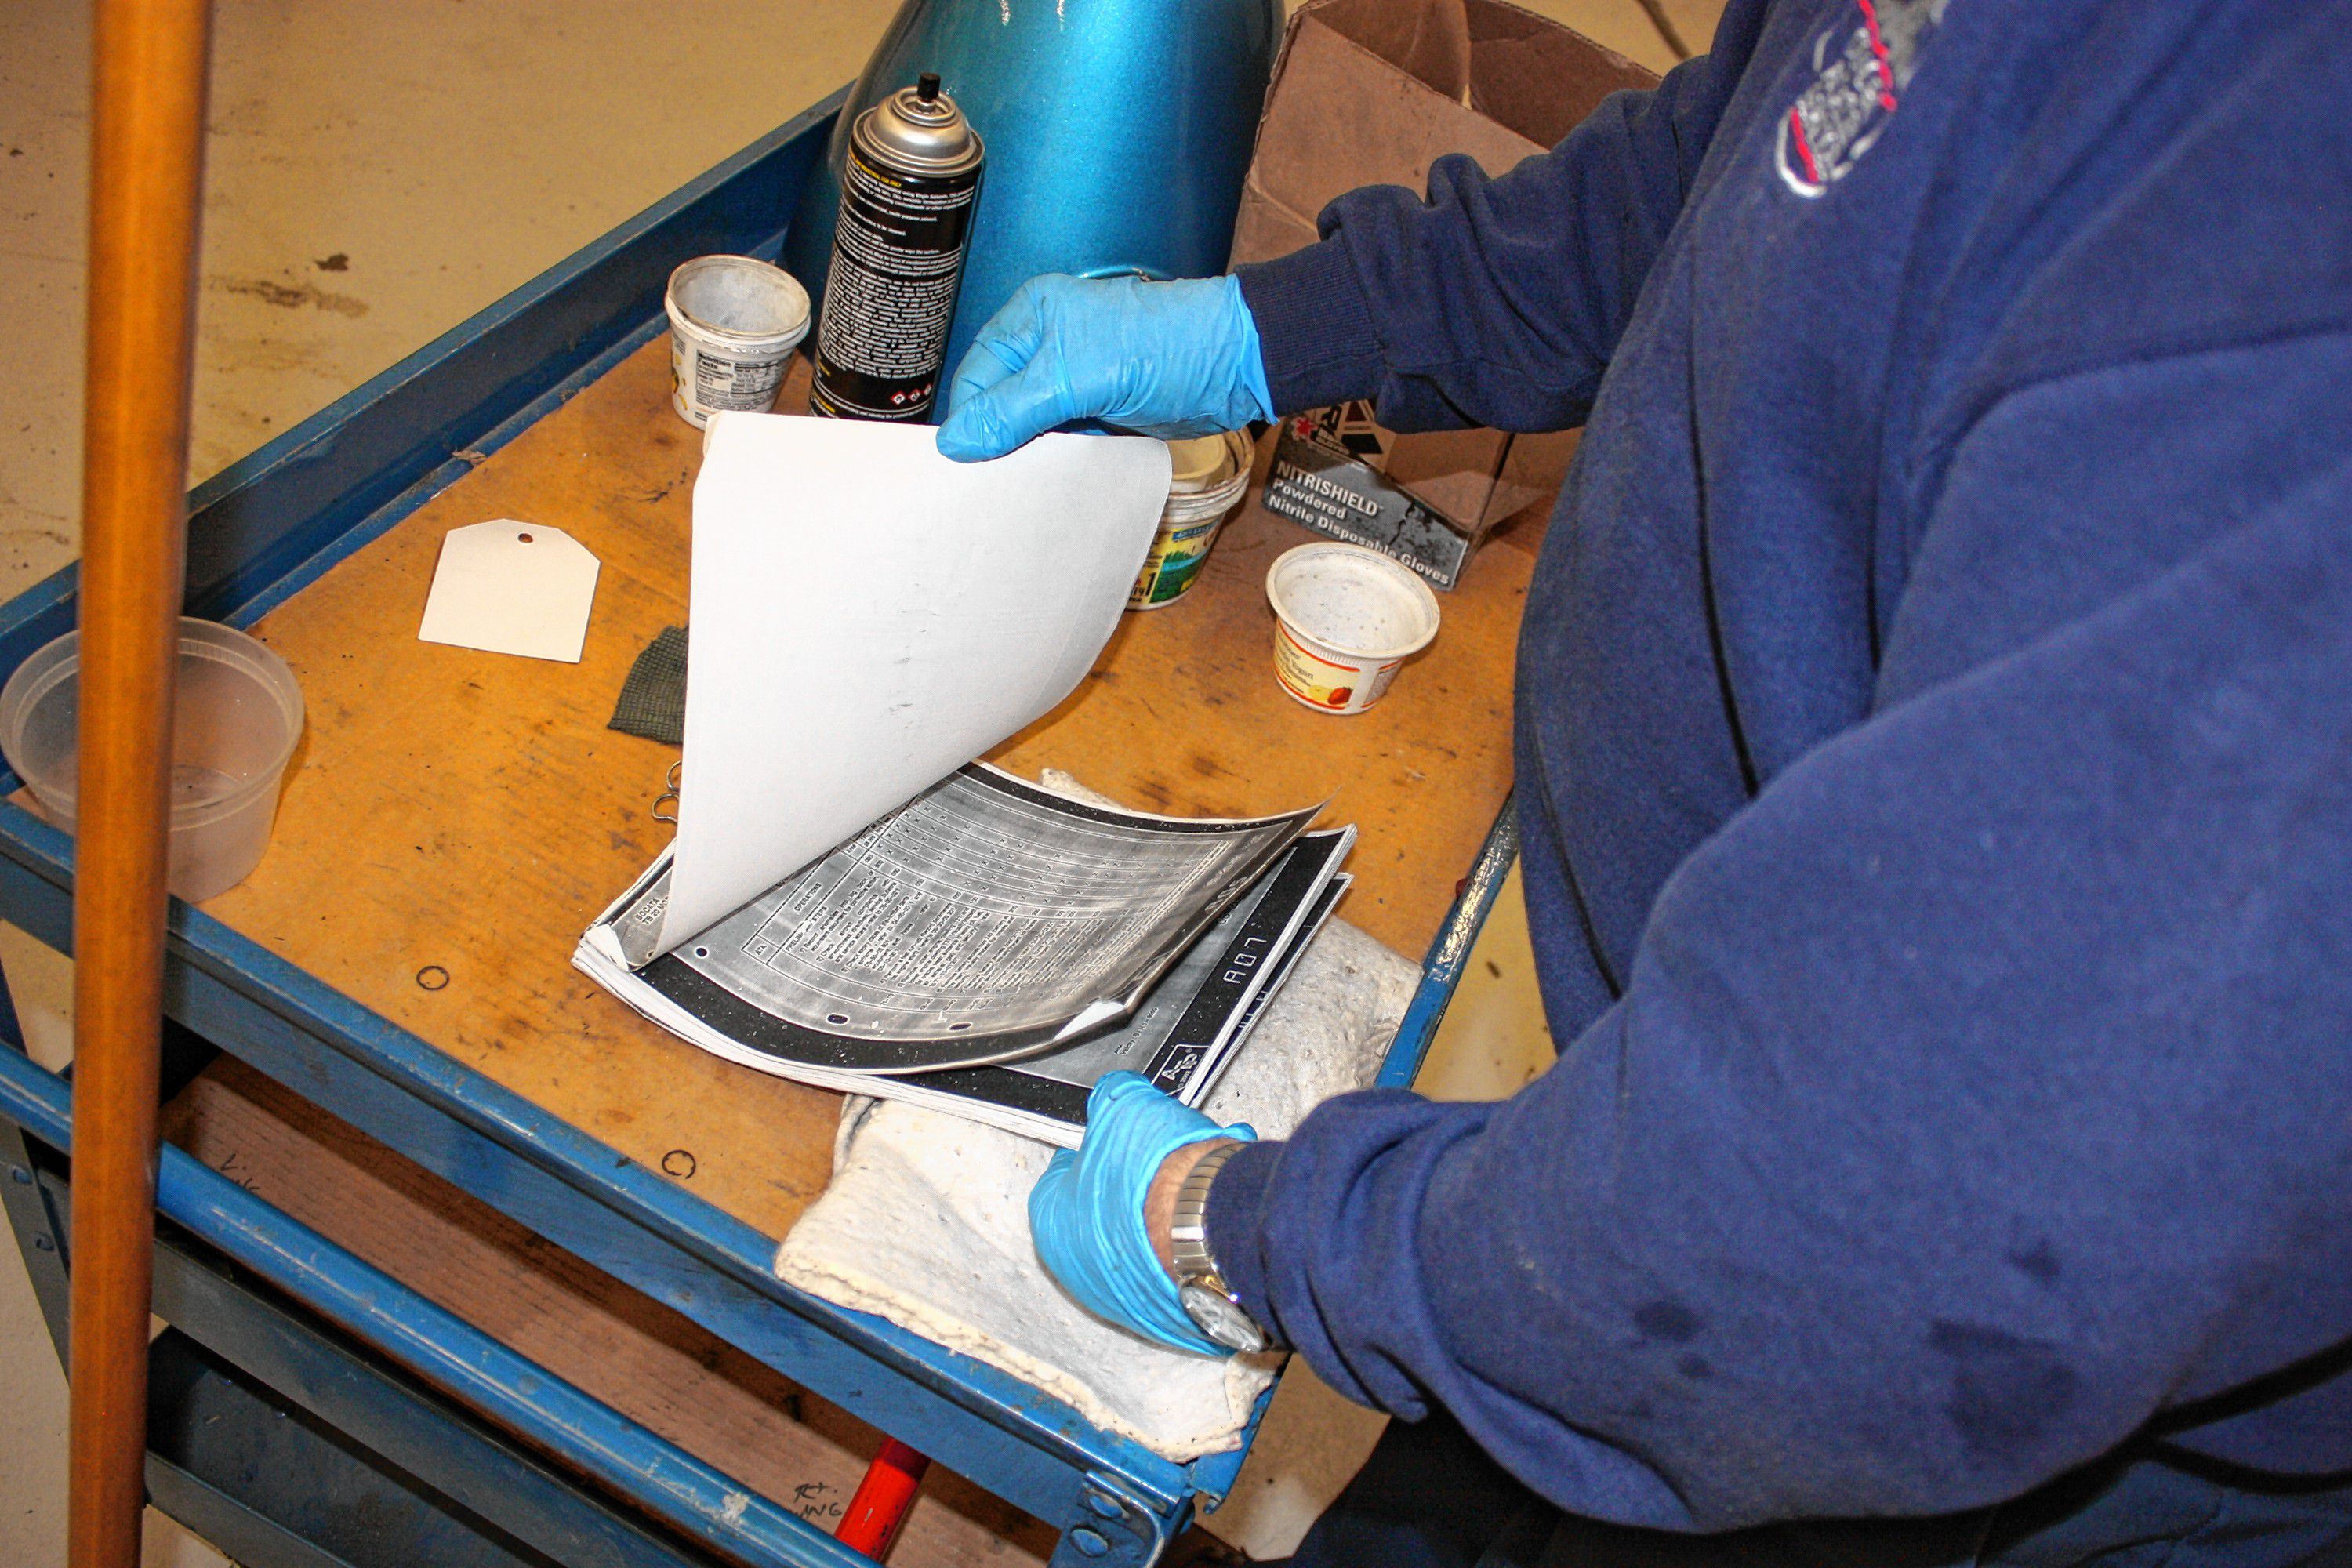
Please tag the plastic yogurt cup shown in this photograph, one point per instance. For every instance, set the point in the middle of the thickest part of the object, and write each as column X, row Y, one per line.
column 733, row 324
column 1345, row 618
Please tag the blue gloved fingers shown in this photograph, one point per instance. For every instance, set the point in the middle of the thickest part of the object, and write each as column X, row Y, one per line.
column 1007, row 342
column 1160, row 359
column 975, row 431
column 1087, row 1210
column 1014, row 411
column 1145, row 1128
column 1057, row 1173
column 1006, row 348
column 983, row 367
column 1052, row 1195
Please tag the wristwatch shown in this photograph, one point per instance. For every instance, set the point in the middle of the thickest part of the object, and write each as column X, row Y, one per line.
column 1208, row 1300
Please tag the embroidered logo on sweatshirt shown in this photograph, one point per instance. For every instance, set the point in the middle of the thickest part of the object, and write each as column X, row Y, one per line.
column 1861, row 67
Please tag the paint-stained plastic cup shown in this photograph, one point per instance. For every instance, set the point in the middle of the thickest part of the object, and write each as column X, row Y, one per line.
column 237, row 714
column 733, row 324
column 1208, row 475
column 1345, row 618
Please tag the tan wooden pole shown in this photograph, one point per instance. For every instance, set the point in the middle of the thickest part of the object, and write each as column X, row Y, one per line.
column 146, row 173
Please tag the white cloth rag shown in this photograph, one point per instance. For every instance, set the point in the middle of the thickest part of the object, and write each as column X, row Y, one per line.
column 925, row 1221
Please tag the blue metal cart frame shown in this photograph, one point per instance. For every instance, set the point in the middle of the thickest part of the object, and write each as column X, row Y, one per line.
column 309, row 1409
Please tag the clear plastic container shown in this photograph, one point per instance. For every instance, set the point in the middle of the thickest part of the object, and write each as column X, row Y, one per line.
column 235, row 717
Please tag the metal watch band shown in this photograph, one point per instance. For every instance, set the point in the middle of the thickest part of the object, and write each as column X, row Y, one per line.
column 1188, row 1230
column 1207, row 1300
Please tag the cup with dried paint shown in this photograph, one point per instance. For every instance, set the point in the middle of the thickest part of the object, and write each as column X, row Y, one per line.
column 1346, row 619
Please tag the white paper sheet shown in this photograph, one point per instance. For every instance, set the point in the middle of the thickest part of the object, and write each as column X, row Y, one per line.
column 867, row 617
column 505, row 586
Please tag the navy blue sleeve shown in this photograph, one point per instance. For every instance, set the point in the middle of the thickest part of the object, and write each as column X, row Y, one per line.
column 1497, row 301
column 1977, row 1093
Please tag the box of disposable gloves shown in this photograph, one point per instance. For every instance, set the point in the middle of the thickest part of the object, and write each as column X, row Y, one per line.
column 1373, row 92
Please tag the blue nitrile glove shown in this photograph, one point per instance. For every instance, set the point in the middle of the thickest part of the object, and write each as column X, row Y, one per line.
column 1159, row 359
column 1087, row 1210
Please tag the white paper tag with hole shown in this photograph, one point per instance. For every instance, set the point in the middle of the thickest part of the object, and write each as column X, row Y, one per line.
column 511, row 587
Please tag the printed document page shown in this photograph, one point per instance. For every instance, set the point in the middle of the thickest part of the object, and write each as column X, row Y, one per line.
column 867, row 617
column 983, row 908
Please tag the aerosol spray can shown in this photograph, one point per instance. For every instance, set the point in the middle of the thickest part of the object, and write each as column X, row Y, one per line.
column 907, row 195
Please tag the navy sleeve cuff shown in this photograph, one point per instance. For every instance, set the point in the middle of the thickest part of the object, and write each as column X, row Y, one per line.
column 1314, row 329
column 1236, row 1198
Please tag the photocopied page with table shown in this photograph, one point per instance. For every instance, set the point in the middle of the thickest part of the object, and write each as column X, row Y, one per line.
column 993, row 920
column 868, row 617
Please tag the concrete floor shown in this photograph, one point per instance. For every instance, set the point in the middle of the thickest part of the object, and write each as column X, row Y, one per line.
column 376, row 175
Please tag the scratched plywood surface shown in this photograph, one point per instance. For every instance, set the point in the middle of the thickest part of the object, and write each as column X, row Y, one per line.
column 578, row 1322
column 463, row 813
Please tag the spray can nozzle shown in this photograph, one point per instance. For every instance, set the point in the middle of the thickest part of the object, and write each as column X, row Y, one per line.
column 927, row 86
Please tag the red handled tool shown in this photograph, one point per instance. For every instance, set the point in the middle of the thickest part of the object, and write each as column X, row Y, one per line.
column 883, row 1499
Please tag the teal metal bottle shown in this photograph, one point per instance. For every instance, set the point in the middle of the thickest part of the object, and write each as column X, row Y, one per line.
column 1118, row 134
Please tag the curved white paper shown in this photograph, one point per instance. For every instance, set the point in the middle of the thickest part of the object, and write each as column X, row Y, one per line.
column 868, row 617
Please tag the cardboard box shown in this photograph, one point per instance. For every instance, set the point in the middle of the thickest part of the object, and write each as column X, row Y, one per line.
column 1373, row 92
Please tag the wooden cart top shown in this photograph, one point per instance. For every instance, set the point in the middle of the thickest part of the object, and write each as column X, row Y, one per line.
column 454, row 819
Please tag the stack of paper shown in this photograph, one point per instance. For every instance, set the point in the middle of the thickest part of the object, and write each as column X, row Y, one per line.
column 845, row 897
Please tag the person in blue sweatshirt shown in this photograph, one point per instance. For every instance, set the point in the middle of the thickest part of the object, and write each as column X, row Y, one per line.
column 1934, row 739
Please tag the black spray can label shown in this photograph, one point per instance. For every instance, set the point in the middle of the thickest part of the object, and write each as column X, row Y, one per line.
column 898, row 258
